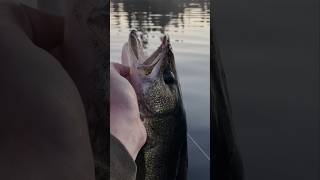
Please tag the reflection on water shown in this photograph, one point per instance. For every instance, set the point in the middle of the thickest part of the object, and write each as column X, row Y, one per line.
column 160, row 15
column 188, row 24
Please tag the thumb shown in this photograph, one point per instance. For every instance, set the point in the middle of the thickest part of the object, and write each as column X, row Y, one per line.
column 121, row 69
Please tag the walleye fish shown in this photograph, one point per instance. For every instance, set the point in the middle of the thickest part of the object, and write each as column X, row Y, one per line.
column 155, row 80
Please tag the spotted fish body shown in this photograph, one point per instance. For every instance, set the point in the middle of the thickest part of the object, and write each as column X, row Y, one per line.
column 155, row 80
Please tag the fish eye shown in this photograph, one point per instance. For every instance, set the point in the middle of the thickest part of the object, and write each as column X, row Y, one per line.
column 168, row 77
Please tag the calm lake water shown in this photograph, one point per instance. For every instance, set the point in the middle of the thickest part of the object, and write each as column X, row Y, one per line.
column 188, row 24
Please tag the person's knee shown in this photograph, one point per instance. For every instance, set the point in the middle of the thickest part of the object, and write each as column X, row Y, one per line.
column 41, row 109
column 40, row 93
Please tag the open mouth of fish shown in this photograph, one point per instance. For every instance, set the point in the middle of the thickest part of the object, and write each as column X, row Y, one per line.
column 153, row 77
column 135, row 57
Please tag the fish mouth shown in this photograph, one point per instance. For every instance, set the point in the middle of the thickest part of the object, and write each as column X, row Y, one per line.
column 151, row 66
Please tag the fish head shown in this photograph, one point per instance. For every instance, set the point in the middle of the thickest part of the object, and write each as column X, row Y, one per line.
column 153, row 77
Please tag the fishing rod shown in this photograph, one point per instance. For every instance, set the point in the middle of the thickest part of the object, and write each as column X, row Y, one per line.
column 199, row 147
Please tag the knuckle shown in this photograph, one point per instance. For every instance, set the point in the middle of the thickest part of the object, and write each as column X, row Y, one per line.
column 143, row 133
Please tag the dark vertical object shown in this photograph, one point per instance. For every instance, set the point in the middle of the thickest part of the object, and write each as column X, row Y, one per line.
column 98, row 23
column 226, row 162
column 51, row 6
column 108, row 88
column 93, row 19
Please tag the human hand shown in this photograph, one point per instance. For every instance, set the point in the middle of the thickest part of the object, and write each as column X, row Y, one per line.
column 125, row 122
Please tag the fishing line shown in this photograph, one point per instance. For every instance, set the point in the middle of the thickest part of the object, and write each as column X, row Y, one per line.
column 198, row 146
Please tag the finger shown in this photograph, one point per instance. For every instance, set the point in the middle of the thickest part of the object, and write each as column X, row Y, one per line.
column 121, row 69
column 48, row 30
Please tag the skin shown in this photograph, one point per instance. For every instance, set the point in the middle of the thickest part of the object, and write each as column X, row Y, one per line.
column 124, row 111
column 48, row 91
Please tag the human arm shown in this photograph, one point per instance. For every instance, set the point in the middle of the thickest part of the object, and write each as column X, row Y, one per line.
column 127, row 132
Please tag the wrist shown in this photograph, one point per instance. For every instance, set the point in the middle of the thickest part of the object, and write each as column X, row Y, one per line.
column 131, row 137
